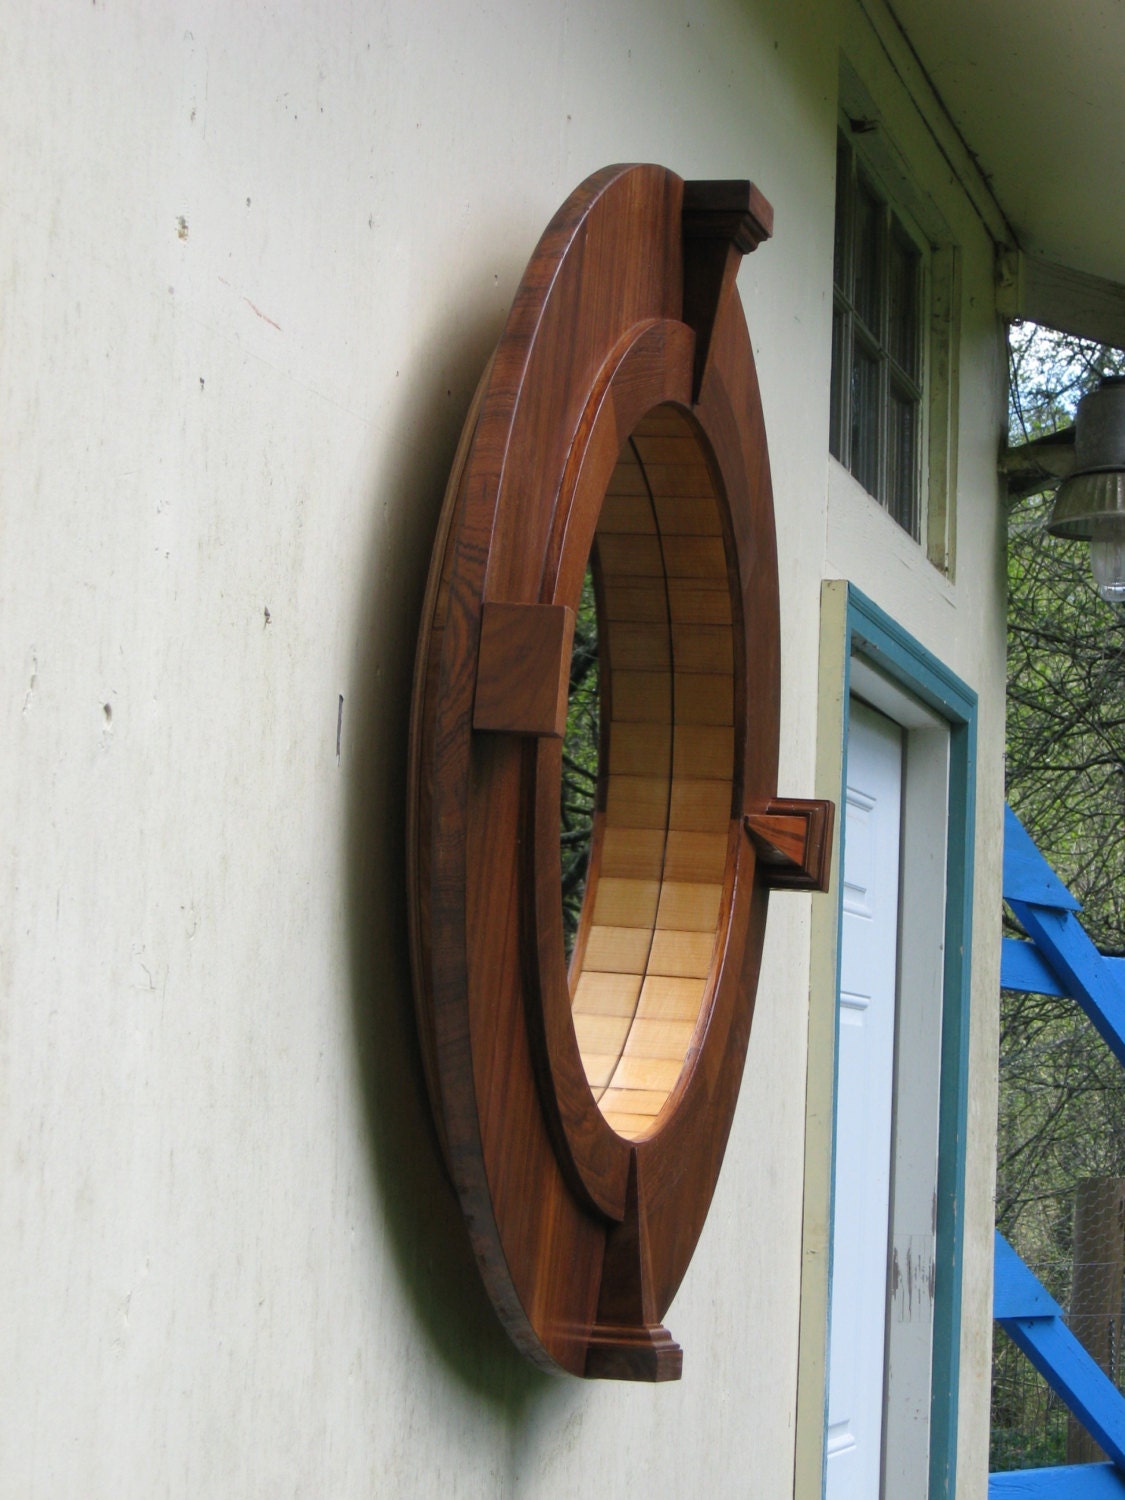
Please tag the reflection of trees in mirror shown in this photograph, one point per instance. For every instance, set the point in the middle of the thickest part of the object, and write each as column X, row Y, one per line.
column 580, row 762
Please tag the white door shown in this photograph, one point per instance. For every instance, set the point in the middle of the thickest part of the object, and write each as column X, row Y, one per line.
column 864, row 1100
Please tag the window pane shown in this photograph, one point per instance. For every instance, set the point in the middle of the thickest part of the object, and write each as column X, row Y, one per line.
column 868, row 223
column 902, row 459
column 839, row 397
column 903, row 262
column 865, row 418
column 840, row 245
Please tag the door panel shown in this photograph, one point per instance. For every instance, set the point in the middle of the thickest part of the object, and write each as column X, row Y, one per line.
column 864, row 1105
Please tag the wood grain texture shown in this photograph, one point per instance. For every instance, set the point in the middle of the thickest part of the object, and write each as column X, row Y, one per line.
column 523, row 668
column 584, row 1117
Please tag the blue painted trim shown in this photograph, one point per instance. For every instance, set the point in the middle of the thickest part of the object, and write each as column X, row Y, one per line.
column 1023, row 967
column 1027, row 875
column 1016, row 1291
column 1047, row 912
column 1054, row 1351
column 1061, row 956
column 1080, row 970
column 1068, row 1482
column 875, row 636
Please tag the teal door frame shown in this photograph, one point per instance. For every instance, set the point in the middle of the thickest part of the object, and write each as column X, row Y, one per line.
column 874, row 636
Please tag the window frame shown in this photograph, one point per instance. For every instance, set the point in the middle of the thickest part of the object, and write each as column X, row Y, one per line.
column 851, row 324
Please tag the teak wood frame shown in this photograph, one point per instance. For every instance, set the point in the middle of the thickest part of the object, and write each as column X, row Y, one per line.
column 584, row 1116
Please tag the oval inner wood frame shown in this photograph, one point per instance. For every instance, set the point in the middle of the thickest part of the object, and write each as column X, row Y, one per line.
column 654, row 915
column 584, row 1119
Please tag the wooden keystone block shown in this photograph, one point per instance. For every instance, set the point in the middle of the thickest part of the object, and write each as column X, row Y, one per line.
column 793, row 840
column 523, row 668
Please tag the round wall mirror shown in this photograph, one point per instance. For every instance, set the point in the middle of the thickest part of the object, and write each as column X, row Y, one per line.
column 593, row 821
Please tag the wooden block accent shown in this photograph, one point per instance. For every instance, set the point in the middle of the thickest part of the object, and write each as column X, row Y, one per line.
column 523, row 668
column 626, row 903
column 722, row 221
column 607, row 994
column 685, row 955
column 700, row 806
column 702, row 698
column 793, row 841
column 693, row 908
column 732, row 210
column 618, row 950
column 633, row 853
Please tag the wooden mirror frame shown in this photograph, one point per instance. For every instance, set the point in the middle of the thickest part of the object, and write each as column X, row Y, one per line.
column 619, row 416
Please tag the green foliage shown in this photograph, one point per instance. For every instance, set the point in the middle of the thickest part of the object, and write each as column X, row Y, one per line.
column 580, row 762
column 1062, row 1094
column 1066, row 656
column 1028, row 1421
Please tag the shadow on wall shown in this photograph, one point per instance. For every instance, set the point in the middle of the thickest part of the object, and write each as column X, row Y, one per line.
column 437, row 1272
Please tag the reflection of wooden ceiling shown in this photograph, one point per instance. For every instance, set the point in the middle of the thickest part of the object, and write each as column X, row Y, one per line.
column 1037, row 90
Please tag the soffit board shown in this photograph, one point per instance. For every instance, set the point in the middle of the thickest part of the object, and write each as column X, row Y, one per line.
column 1036, row 91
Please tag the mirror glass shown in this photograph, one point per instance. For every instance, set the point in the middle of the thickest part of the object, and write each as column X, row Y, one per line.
column 648, row 836
column 580, row 762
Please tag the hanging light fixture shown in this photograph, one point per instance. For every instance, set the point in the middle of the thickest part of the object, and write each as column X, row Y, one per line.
column 1090, row 503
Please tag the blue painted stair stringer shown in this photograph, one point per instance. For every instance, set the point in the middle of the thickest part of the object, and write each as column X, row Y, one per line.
column 1060, row 959
column 1033, row 1320
column 1048, row 914
column 1068, row 1482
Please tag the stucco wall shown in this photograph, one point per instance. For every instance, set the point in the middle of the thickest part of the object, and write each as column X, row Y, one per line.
column 252, row 262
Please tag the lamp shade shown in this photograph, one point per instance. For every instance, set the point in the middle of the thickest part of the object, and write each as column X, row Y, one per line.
column 1095, row 491
column 1085, row 500
column 1090, row 504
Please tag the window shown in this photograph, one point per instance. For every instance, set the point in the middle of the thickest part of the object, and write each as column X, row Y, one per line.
column 877, row 344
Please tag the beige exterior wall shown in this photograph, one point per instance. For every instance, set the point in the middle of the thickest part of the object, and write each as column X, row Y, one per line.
column 251, row 265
